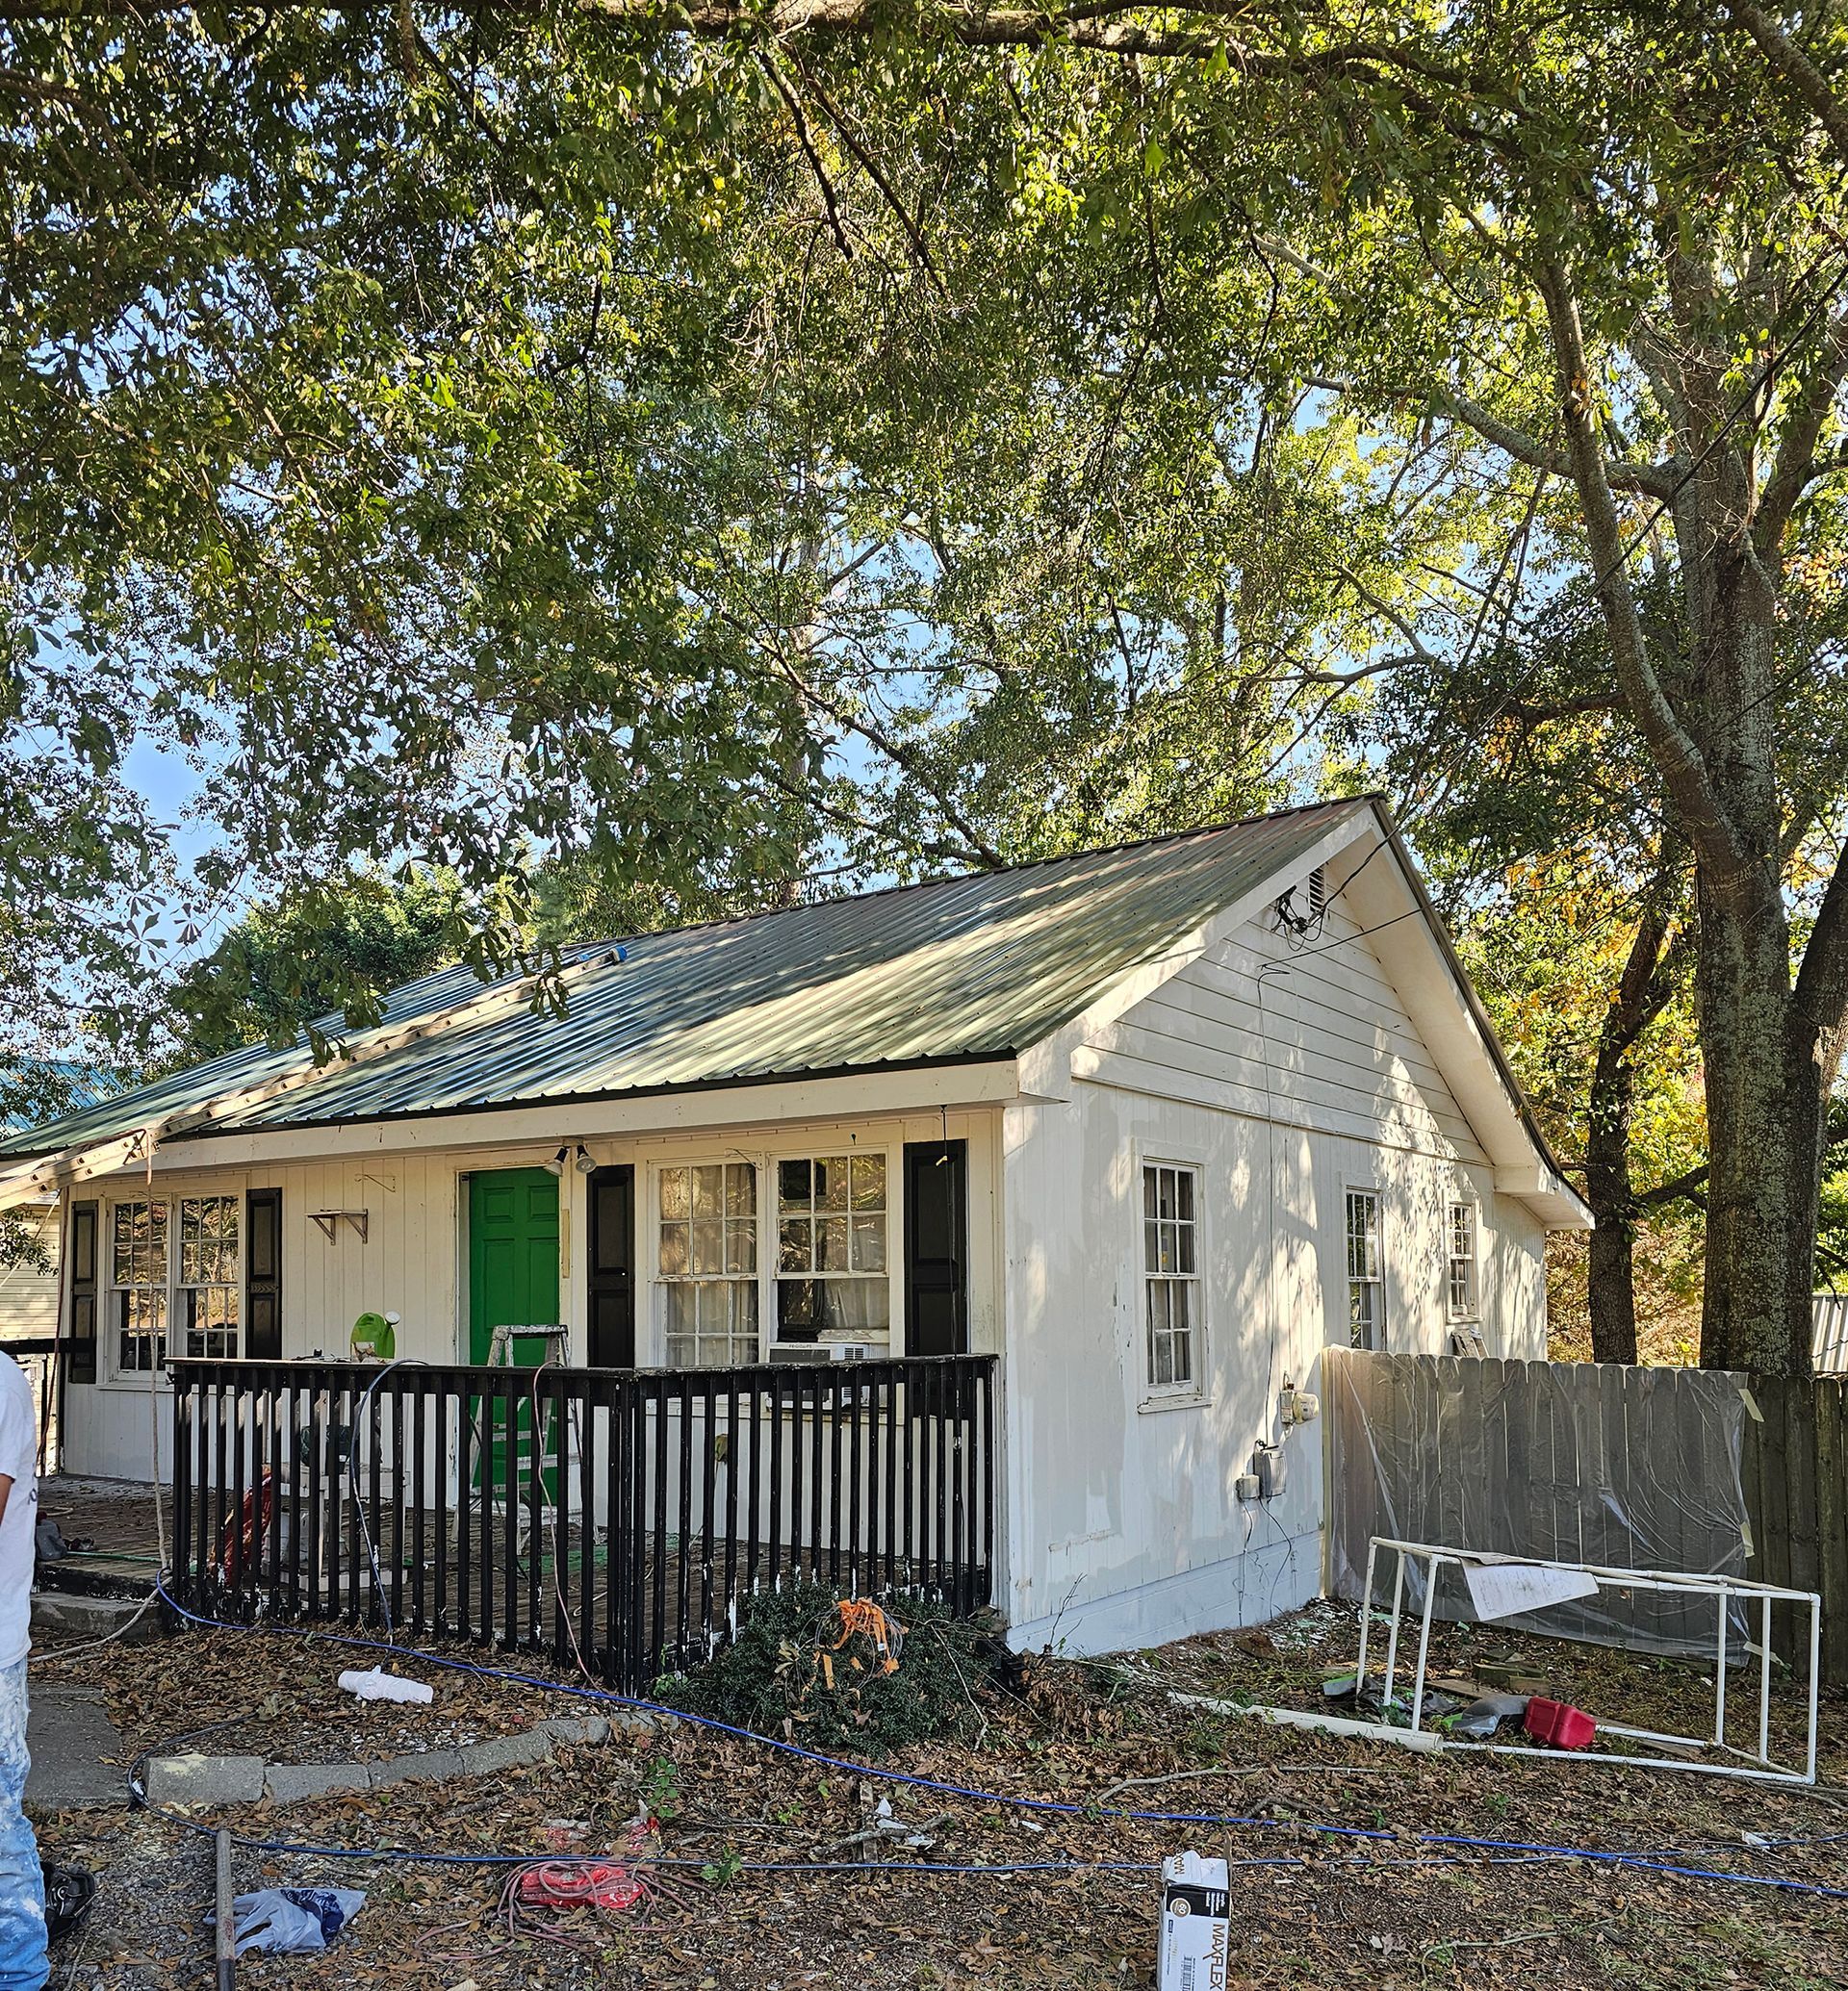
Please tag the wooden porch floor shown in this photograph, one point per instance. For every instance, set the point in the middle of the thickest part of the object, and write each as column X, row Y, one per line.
column 116, row 1519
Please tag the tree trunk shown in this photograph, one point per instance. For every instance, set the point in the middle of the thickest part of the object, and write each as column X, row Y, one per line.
column 1764, row 1110
column 1764, row 1096
column 1706, row 707
column 1613, row 1281
column 1642, row 993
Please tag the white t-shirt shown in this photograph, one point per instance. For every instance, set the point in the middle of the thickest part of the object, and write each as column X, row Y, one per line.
column 19, row 1526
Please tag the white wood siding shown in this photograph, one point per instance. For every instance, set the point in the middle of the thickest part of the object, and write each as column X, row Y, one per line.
column 28, row 1298
column 1126, row 1526
column 1314, row 1035
column 414, row 1261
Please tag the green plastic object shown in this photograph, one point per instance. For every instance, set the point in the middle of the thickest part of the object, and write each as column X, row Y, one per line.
column 375, row 1335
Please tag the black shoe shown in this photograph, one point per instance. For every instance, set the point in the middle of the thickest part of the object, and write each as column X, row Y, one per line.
column 69, row 1892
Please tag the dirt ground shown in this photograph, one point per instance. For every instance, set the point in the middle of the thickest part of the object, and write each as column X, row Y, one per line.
column 1392, row 1908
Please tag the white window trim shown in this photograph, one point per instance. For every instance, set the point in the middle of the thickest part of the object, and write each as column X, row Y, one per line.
column 110, row 1374
column 651, row 1332
column 1152, row 1398
column 650, row 1340
column 1364, row 1186
column 1471, row 1315
column 810, row 1151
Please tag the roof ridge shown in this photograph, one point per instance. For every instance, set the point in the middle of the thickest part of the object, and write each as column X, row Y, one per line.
column 681, row 987
column 926, row 885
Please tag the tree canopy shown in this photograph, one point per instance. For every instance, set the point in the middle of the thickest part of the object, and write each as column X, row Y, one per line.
column 748, row 446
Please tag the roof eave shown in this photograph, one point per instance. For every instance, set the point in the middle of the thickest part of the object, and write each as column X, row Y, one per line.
column 1536, row 1177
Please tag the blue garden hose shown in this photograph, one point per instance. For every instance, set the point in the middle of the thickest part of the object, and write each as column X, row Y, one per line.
column 1497, row 1850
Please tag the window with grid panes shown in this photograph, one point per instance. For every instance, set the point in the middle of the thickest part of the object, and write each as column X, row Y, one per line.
column 1366, row 1289
column 707, row 1264
column 138, row 1276
column 210, row 1272
column 1171, row 1278
column 1461, row 1261
column 832, row 1277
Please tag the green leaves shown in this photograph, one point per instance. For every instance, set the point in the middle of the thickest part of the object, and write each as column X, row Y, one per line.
column 570, row 462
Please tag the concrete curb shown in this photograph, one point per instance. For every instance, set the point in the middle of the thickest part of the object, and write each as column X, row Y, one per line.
column 74, row 1614
column 184, row 1781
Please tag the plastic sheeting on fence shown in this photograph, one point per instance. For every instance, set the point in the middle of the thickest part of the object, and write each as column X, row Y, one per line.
column 1829, row 1352
column 1587, row 1463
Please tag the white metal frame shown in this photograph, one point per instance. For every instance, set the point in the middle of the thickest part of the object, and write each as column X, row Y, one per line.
column 1760, row 1766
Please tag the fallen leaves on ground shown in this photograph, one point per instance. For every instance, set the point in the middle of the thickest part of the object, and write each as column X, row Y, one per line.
column 1387, row 1910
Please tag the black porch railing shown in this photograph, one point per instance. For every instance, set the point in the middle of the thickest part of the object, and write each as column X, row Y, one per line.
column 615, row 1517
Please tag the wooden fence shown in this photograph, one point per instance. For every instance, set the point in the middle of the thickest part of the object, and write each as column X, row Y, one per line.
column 1657, row 1468
column 1574, row 1461
column 617, row 1519
column 1795, row 1471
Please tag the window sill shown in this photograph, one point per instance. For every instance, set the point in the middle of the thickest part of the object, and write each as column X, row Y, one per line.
column 1190, row 1400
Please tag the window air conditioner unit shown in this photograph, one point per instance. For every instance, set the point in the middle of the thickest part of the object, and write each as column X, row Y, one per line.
column 824, row 1351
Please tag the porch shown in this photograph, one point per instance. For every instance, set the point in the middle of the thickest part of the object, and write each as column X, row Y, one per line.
column 616, row 1520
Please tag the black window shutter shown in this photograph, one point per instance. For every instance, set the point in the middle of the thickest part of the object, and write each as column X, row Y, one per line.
column 263, row 1274
column 612, row 1268
column 936, row 1233
column 80, row 1365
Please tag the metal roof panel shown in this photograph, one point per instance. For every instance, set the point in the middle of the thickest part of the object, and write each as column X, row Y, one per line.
column 984, row 965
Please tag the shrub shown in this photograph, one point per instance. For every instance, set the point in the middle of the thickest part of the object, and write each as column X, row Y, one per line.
column 772, row 1677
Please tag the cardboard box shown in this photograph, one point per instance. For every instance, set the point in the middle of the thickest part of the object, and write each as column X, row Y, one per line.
column 1193, row 1953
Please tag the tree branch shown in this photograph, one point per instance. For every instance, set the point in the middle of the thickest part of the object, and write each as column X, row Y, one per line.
column 1821, row 995
column 808, row 152
column 1683, row 770
column 1651, row 479
column 1795, row 466
column 1671, row 1190
column 1386, row 609
column 1108, row 27
column 913, row 233
column 1794, row 67
column 902, row 756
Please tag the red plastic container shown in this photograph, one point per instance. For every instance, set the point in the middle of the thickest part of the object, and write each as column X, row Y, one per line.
column 1552, row 1721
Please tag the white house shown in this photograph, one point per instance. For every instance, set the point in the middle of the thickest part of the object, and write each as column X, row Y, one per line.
column 1152, row 1125
column 29, row 1289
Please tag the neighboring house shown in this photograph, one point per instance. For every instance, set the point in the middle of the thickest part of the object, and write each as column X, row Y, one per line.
column 1154, row 1125
column 29, row 1295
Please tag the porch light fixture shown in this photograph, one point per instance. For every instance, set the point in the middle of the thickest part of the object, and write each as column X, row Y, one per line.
column 586, row 1162
column 557, row 1165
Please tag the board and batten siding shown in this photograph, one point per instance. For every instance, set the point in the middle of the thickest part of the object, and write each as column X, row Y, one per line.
column 407, row 1263
column 29, row 1298
column 414, row 1258
column 1284, row 1096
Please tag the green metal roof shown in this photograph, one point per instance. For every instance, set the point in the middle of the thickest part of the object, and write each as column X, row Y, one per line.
column 966, row 968
column 74, row 1085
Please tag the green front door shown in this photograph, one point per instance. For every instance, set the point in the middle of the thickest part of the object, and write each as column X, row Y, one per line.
column 513, row 1258
column 513, row 1282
